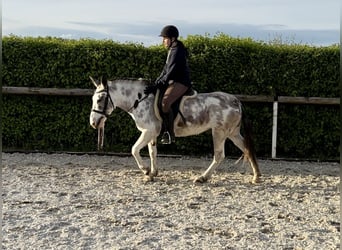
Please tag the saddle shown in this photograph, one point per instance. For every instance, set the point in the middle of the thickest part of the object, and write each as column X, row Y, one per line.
column 176, row 107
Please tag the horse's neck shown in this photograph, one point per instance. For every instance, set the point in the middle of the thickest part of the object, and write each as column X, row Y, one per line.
column 125, row 93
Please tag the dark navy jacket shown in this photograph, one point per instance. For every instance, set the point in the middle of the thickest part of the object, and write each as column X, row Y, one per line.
column 176, row 67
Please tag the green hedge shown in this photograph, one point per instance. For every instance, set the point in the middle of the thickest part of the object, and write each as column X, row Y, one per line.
column 237, row 66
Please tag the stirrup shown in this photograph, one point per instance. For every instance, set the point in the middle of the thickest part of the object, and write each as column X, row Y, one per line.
column 166, row 138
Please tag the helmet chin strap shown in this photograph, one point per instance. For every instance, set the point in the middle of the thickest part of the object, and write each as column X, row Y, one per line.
column 172, row 42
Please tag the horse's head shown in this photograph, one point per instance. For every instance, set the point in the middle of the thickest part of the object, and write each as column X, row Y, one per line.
column 102, row 105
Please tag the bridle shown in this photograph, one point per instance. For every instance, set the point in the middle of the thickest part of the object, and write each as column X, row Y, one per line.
column 108, row 97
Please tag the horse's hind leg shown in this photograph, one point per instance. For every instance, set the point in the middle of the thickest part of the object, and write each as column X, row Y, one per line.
column 249, row 154
column 219, row 139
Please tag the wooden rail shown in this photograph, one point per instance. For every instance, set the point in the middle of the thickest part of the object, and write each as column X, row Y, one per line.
column 243, row 98
column 309, row 100
column 46, row 91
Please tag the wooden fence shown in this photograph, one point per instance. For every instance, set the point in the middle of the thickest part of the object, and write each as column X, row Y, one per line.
column 243, row 98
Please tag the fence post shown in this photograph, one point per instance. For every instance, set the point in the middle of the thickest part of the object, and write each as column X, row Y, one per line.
column 274, row 128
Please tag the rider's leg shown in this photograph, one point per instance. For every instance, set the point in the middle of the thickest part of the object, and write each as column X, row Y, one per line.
column 168, row 136
column 172, row 93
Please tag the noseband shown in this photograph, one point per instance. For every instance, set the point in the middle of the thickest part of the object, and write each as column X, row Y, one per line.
column 108, row 97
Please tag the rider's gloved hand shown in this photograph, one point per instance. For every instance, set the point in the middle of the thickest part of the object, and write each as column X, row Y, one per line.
column 159, row 82
column 153, row 88
column 150, row 89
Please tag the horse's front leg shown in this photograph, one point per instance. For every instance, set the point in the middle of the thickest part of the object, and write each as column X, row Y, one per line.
column 145, row 139
column 152, row 149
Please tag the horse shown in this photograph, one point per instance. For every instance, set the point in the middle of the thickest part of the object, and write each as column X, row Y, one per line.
column 221, row 112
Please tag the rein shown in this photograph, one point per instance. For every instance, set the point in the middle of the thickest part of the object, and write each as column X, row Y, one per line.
column 108, row 97
column 136, row 103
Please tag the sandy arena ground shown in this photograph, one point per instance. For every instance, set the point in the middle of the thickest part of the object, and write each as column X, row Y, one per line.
column 61, row 201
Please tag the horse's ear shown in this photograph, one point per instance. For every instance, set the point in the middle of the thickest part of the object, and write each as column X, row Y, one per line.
column 93, row 81
column 104, row 81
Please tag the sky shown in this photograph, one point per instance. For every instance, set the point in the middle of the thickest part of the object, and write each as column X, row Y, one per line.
column 310, row 22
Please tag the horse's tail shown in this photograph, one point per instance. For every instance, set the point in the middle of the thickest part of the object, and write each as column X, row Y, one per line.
column 248, row 137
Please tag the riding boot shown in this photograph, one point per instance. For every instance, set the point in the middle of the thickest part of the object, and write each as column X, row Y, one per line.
column 169, row 135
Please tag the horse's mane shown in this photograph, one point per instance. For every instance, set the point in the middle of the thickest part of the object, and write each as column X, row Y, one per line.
column 130, row 79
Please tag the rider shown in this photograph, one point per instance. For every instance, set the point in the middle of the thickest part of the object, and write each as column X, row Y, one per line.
column 175, row 76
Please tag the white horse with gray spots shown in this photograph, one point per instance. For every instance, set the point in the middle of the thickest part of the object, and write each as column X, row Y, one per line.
column 218, row 111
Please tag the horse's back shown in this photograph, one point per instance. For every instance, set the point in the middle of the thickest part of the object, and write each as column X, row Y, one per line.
column 208, row 110
column 214, row 99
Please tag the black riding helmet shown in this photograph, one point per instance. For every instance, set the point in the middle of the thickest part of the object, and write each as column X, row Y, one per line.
column 169, row 31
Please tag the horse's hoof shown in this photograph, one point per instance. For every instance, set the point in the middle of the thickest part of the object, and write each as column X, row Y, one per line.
column 154, row 174
column 148, row 178
column 256, row 180
column 146, row 171
column 200, row 179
